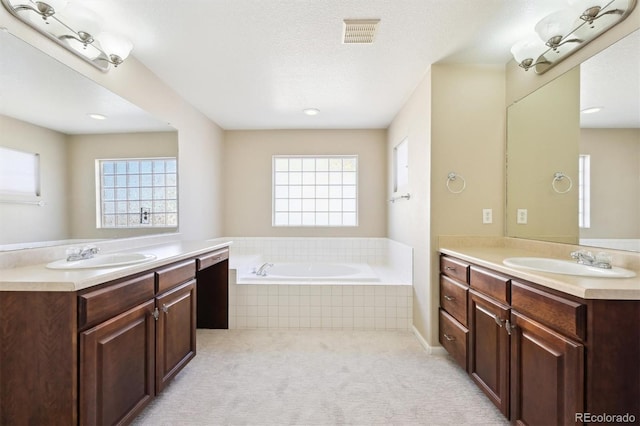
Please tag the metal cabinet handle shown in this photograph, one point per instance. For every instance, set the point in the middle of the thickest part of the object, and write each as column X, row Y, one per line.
column 510, row 327
column 165, row 308
column 155, row 314
column 449, row 338
column 449, row 298
column 449, row 268
column 498, row 320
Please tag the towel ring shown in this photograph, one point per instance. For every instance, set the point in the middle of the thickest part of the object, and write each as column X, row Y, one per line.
column 557, row 177
column 452, row 176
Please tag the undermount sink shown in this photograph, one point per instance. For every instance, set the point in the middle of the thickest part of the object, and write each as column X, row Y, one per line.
column 566, row 267
column 111, row 260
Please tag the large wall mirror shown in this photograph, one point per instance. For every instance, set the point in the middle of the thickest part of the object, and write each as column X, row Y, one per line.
column 573, row 154
column 44, row 109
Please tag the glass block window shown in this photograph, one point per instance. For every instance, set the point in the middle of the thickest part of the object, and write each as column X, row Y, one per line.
column 584, row 191
column 315, row 190
column 137, row 193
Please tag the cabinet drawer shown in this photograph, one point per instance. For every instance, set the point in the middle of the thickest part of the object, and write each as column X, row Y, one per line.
column 99, row 305
column 175, row 274
column 454, row 338
column 209, row 259
column 455, row 268
column 453, row 298
column 564, row 315
column 490, row 283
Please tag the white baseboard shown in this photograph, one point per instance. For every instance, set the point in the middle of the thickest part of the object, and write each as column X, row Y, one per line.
column 431, row 350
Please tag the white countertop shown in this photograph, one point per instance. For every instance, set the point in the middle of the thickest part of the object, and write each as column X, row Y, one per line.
column 584, row 287
column 40, row 278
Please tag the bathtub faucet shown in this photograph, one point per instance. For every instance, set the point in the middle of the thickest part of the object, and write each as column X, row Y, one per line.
column 262, row 270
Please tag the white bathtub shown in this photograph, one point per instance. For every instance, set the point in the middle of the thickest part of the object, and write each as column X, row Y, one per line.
column 311, row 272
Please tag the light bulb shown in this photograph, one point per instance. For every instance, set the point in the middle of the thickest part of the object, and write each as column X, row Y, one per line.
column 554, row 27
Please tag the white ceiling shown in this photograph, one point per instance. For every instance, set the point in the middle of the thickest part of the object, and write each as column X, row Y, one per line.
column 256, row 64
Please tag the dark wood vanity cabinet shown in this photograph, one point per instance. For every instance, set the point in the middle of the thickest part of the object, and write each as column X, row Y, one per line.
column 543, row 356
column 96, row 356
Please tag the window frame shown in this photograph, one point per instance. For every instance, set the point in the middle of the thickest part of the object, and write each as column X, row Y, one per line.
column 304, row 222
column 142, row 201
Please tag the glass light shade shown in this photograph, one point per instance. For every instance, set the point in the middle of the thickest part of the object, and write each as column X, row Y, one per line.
column 57, row 5
column 529, row 48
column 114, row 44
column 81, row 19
column 558, row 23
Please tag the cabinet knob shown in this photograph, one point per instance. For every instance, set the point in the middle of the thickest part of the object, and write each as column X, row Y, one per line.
column 449, row 338
column 155, row 314
column 165, row 308
column 449, row 298
column 498, row 320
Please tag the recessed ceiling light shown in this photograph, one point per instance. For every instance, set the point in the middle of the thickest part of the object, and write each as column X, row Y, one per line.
column 97, row 116
column 311, row 111
column 592, row 110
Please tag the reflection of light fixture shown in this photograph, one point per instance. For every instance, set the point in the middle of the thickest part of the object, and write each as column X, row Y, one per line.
column 97, row 116
column 76, row 28
column 563, row 32
column 592, row 110
column 311, row 111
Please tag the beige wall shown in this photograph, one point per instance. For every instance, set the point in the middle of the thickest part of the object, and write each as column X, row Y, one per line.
column 543, row 134
column 454, row 121
column 615, row 182
column 27, row 223
column 467, row 137
column 409, row 219
column 247, row 170
column 200, row 139
column 83, row 151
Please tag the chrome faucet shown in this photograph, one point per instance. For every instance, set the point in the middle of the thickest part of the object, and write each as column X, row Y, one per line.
column 600, row 260
column 80, row 253
column 262, row 270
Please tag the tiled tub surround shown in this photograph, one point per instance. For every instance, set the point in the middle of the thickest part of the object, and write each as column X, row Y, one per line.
column 385, row 303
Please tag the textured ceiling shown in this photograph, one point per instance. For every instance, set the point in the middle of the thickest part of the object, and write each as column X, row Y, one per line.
column 256, row 64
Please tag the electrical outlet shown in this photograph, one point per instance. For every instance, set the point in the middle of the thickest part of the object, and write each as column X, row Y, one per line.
column 487, row 216
column 521, row 217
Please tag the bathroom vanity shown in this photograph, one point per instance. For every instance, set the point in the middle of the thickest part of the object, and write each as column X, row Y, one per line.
column 539, row 347
column 88, row 348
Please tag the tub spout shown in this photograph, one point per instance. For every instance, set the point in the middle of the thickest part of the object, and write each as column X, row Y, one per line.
column 262, row 270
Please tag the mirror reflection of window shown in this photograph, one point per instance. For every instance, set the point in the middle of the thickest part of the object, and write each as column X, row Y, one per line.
column 19, row 172
column 137, row 192
column 584, row 191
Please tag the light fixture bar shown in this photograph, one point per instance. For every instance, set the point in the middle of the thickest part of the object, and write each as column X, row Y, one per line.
column 562, row 34
column 99, row 50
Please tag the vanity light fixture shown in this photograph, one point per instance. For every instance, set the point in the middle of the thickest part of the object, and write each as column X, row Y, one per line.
column 563, row 32
column 75, row 28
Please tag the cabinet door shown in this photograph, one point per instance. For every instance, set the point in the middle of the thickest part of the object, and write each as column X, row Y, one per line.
column 176, row 332
column 116, row 367
column 489, row 348
column 547, row 375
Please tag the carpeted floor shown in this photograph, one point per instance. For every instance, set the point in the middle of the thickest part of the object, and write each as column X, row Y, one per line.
column 318, row 377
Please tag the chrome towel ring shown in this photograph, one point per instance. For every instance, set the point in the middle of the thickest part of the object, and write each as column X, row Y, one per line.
column 452, row 177
column 558, row 177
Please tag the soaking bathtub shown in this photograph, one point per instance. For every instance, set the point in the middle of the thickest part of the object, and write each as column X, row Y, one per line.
column 313, row 272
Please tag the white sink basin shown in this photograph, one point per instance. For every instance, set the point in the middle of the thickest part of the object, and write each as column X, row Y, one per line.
column 566, row 267
column 102, row 261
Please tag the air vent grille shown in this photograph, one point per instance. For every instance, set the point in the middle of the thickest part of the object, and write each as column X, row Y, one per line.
column 360, row 30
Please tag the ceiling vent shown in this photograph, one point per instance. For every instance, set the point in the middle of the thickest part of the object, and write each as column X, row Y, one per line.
column 359, row 30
